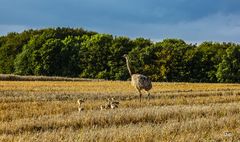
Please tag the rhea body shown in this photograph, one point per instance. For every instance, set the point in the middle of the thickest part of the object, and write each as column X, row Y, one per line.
column 139, row 81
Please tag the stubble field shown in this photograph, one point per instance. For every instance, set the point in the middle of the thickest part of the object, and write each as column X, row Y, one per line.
column 48, row 111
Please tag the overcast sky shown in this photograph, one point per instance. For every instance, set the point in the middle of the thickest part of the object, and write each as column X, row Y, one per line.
column 190, row 20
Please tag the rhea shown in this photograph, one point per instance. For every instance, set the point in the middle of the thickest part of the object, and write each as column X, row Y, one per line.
column 111, row 103
column 139, row 81
column 114, row 104
column 80, row 102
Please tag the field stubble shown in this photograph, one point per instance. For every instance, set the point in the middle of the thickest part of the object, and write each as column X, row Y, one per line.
column 48, row 111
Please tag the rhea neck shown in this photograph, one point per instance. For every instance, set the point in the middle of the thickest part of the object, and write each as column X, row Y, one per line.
column 128, row 66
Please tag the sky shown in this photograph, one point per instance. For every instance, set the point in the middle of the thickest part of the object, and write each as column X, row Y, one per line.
column 193, row 21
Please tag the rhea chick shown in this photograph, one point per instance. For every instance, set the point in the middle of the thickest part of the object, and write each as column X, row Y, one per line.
column 80, row 102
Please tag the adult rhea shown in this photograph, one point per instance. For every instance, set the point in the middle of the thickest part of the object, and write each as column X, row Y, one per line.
column 139, row 81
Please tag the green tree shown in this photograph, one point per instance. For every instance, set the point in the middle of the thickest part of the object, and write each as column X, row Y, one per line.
column 172, row 66
column 94, row 55
column 204, row 63
column 50, row 58
column 142, row 42
column 76, row 52
column 147, row 63
column 30, row 52
column 229, row 68
column 11, row 45
column 23, row 62
column 70, row 65
column 116, row 63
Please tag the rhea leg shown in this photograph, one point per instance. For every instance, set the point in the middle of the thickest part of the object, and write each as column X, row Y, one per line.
column 140, row 94
column 148, row 95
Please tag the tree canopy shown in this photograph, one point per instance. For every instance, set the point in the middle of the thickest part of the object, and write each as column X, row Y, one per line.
column 79, row 53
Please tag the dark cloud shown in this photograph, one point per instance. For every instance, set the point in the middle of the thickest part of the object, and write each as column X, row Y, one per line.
column 132, row 18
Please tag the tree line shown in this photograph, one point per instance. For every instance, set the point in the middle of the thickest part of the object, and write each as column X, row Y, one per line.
column 75, row 52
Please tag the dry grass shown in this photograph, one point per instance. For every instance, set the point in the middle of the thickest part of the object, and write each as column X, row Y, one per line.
column 13, row 77
column 48, row 111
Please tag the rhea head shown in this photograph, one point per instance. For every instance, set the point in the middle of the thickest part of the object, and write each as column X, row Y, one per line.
column 125, row 55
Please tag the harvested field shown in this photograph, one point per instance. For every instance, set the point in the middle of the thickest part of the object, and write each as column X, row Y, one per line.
column 48, row 111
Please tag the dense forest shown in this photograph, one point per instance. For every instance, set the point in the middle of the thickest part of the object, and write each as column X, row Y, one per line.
column 75, row 52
